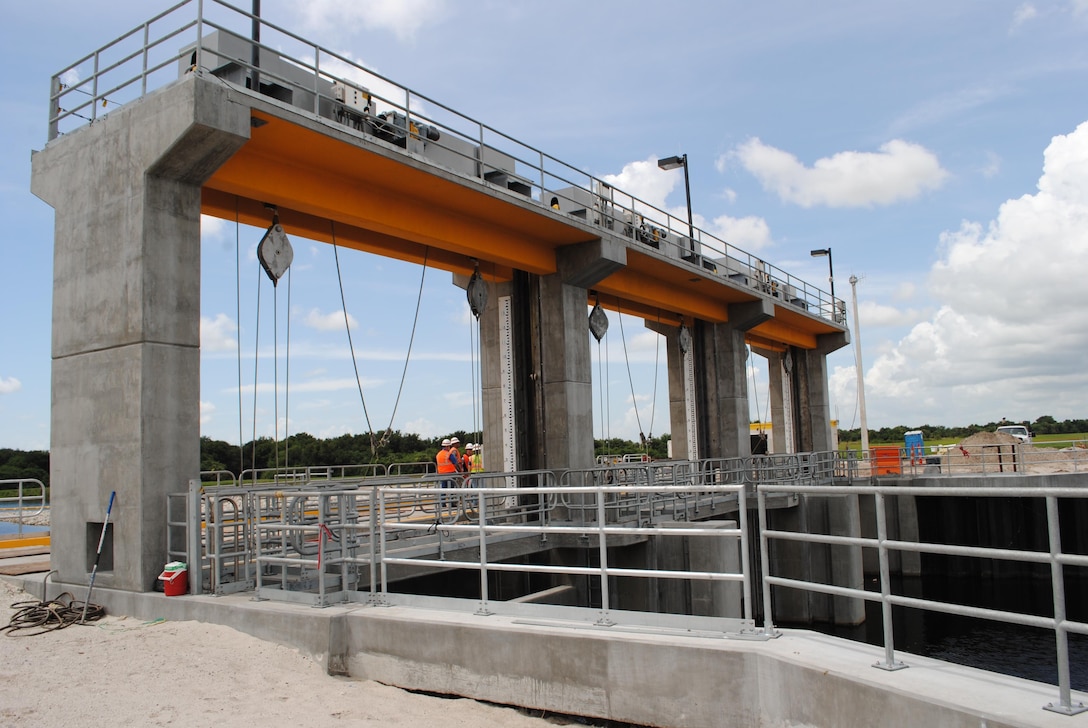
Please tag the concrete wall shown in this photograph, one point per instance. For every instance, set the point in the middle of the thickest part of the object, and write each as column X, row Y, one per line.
column 126, row 309
column 639, row 676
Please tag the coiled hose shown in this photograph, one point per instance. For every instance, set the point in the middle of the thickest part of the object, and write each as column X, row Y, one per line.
column 34, row 618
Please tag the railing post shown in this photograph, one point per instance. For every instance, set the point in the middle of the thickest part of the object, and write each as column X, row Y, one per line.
column 94, row 89
column 889, row 662
column 192, row 534
column 602, row 548
column 54, row 108
column 375, row 544
column 482, row 516
column 1061, row 636
column 765, row 563
column 745, row 562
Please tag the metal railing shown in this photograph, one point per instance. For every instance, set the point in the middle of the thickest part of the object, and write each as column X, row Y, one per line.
column 1055, row 558
column 330, row 541
column 1053, row 457
column 23, row 505
column 212, row 37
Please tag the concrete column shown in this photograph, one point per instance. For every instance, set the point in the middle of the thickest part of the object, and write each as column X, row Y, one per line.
column 552, row 398
column 722, row 381
column 678, row 422
column 776, row 384
column 126, row 312
column 813, row 407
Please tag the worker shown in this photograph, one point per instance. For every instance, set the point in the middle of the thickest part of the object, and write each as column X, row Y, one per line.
column 446, row 461
column 476, row 460
column 466, row 461
column 459, row 461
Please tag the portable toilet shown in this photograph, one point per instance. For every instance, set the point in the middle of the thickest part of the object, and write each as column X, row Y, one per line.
column 914, row 447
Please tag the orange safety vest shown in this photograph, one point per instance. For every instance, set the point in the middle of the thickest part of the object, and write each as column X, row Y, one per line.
column 445, row 464
column 460, row 460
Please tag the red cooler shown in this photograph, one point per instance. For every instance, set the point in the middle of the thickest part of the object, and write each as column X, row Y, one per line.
column 175, row 579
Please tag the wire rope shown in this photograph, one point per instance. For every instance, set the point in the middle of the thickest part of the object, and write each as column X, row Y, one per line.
column 473, row 344
column 375, row 444
column 657, row 371
column 600, row 390
column 287, row 383
column 351, row 346
column 276, row 377
column 630, row 379
column 411, row 342
column 238, row 340
column 256, row 359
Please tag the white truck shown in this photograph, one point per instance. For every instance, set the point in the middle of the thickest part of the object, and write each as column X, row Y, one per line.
column 1021, row 433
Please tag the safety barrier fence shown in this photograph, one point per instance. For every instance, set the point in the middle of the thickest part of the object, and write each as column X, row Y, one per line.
column 214, row 37
column 882, row 592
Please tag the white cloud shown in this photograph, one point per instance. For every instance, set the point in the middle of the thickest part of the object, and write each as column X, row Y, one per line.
column 748, row 233
column 649, row 183
column 1010, row 332
column 217, row 334
column 874, row 314
column 207, row 409
column 899, row 171
column 332, row 321
column 9, row 385
column 403, row 17
column 646, row 181
column 1023, row 14
column 212, row 228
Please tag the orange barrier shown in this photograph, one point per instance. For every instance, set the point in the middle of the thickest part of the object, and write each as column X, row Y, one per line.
column 885, row 460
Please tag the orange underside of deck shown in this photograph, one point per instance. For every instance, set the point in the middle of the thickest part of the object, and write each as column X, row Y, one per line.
column 336, row 190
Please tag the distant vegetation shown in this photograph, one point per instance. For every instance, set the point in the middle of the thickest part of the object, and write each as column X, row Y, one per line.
column 302, row 449
column 1045, row 425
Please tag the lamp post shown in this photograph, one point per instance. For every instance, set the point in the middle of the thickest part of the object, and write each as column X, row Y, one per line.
column 830, row 272
column 860, row 368
column 673, row 163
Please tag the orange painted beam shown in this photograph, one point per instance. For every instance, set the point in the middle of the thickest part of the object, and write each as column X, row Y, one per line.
column 635, row 287
column 333, row 185
column 776, row 330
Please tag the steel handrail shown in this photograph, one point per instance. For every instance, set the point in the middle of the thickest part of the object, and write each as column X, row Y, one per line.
column 768, row 278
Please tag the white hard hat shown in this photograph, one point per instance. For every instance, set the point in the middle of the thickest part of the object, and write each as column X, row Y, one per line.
column 454, row 441
column 469, row 446
column 446, row 442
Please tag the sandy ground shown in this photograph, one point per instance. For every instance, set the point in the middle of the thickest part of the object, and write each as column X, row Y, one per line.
column 123, row 672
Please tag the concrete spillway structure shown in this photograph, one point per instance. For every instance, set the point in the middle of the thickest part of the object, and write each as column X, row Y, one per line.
column 128, row 192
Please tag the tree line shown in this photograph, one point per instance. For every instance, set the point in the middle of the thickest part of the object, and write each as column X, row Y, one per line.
column 1045, row 425
column 303, row 449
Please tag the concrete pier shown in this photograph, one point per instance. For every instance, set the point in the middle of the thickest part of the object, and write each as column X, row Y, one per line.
column 126, row 193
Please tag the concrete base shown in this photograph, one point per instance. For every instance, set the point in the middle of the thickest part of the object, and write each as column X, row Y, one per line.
column 638, row 676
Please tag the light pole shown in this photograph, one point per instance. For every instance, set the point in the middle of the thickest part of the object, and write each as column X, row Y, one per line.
column 830, row 272
column 673, row 163
column 860, row 368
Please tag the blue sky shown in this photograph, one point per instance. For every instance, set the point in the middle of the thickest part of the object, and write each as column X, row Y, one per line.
column 939, row 149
